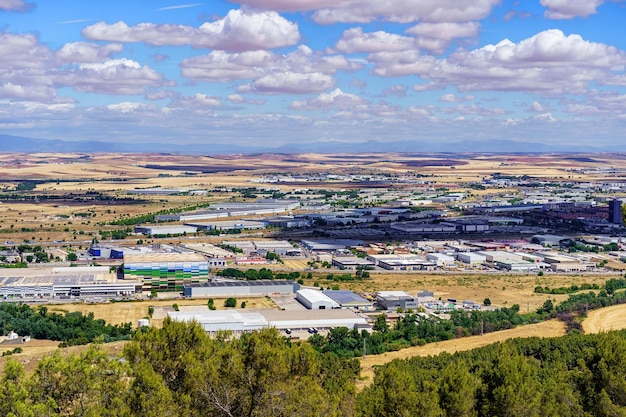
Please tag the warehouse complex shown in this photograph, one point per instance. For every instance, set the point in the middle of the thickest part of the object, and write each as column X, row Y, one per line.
column 240, row 288
column 166, row 271
column 392, row 300
column 232, row 209
column 38, row 283
column 315, row 300
column 244, row 321
column 348, row 299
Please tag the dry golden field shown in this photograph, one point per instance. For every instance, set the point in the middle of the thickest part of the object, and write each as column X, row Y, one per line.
column 117, row 313
column 35, row 350
column 502, row 289
column 552, row 328
column 132, row 311
column 605, row 319
column 114, row 174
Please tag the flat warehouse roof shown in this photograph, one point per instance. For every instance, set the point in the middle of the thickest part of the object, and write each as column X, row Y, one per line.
column 345, row 296
column 314, row 296
column 164, row 257
column 270, row 317
column 282, row 315
column 49, row 279
column 393, row 295
column 260, row 283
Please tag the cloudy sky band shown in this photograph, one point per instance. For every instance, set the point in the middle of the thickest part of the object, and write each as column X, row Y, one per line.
column 342, row 70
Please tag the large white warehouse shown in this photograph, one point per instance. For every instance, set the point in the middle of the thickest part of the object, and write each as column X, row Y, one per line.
column 315, row 300
column 245, row 321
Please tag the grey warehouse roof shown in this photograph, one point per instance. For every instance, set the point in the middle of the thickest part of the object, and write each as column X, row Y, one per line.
column 222, row 284
column 344, row 296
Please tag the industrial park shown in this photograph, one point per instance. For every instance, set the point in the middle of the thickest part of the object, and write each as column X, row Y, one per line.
column 347, row 208
column 395, row 263
column 285, row 239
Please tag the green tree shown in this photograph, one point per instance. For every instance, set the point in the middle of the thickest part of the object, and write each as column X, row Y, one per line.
column 88, row 384
column 511, row 386
column 149, row 396
column 380, row 324
column 457, row 390
column 230, row 302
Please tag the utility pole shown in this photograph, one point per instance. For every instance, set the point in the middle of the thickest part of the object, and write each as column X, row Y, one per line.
column 481, row 327
column 364, row 349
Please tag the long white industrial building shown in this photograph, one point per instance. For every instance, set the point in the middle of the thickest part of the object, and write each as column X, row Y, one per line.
column 240, row 288
column 37, row 283
column 250, row 320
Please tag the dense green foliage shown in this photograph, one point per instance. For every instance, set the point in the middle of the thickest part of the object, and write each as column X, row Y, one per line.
column 233, row 249
column 131, row 221
column 566, row 290
column 256, row 274
column 70, row 328
column 26, row 186
column 273, row 256
column 569, row 376
column 417, row 330
column 180, row 371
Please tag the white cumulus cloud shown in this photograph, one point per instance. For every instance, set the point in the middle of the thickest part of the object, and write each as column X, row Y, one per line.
column 569, row 9
column 364, row 11
column 118, row 76
column 355, row 40
column 548, row 62
column 16, row 5
column 436, row 37
column 83, row 52
column 334, row 99
column 239, row 30
column 290, row 82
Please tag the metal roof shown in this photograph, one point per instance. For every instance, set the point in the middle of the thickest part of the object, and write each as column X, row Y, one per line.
column 221, row 284
column 345, row 297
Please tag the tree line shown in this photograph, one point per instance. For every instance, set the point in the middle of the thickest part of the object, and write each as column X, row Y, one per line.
column 257, row 274
column 413, row 329
column 180, row 371
column 70, row 328
column 576, row 375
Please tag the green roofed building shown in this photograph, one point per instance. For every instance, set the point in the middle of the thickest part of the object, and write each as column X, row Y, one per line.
column 166, row 271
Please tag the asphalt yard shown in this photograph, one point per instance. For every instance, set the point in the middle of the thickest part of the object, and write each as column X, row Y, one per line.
column 287, row 302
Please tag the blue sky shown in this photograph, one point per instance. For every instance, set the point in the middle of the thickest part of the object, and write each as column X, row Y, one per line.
column 290, row 71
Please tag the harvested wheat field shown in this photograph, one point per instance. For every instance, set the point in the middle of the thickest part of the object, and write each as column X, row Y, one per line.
column 35, row 350
column 503, row 290
column 551, row 328
column 605, row 319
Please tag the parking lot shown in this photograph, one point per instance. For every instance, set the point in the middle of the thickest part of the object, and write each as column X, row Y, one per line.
column 287, row 302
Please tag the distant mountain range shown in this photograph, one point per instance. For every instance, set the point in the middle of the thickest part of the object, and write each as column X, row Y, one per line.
column 9, row 143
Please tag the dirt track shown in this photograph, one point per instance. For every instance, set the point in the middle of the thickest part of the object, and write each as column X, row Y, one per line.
column 605, row 319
